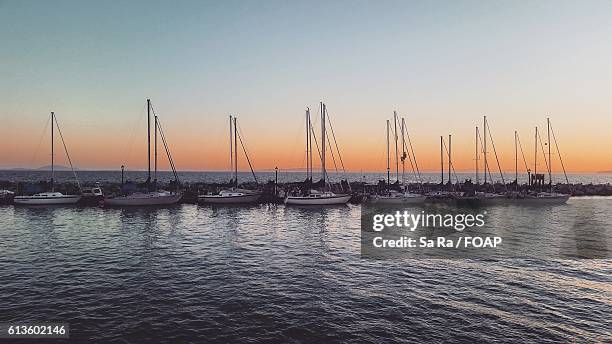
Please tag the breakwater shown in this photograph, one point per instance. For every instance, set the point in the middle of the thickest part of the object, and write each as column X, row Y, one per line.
column 274, row 192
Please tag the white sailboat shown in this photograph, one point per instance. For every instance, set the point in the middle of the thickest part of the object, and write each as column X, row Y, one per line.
column 395, row 197
column 392, row 196
column 443, row 196
column 154, row 197
column 491, row 198
column 234, row 195
column 544, row 197
column 144, row 199
column 231, row 196
column 317, row 197
column 486, row 197
column 53, row 197
column 47, row 198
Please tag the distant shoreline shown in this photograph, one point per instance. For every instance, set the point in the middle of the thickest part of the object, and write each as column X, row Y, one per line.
column 67, row 169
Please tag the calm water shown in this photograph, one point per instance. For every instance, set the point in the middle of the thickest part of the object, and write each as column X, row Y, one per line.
column 283, row 176
column 275, row 273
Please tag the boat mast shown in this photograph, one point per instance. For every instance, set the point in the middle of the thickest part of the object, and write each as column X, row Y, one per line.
column 231, row 142
column 235, row 154
column 476, row 155
column 52, row 155
column 441, row 160
column 535, row 158
column 149, row 140
column 388, row 159
column 310, row 134
column 155, row 151
column 323, row 172
column 484, row 152
column 395, row 136
column 307, row 143
column 403, row 153
column 516, row 159
column 549, row 156
column 449, row 160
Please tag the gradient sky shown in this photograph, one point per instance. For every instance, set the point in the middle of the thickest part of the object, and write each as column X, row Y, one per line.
column 441, row 64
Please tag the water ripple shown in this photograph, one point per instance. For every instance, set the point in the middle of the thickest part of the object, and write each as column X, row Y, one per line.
column 269, row 273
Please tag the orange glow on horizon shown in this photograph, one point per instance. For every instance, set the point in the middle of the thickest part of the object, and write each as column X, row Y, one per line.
column 193, row 152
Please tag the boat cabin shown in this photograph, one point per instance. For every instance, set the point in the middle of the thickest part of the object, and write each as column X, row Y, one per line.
column 92, row 192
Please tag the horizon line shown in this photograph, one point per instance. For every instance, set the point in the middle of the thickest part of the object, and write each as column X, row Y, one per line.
column 317, row 171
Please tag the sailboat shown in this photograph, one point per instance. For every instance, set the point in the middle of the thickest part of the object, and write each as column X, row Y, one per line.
column 53, row 197
column 549, row 198
column 392, row 196
column 544, row 197
column 485, row 196
column 444, row 195
column 317, row 197
column 234, row 195
column 152, row 197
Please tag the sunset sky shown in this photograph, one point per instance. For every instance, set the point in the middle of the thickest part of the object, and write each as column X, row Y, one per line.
column 440, row 64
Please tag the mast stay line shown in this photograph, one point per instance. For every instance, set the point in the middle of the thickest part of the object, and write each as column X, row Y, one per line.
column 335, row 142
column 559, row 153
column 246, row 154
column 67, row 155
column 319, row 151
column 496, row 158
column 163, row 137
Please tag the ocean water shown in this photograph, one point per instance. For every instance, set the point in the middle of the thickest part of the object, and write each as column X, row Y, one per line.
column 283, row 176
column 270, row 273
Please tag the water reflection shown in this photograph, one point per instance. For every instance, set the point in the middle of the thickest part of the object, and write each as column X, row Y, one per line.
column 588, row 237
column 276, row 273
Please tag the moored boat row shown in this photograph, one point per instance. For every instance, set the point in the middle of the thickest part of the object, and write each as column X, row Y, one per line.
column 532, row 196
column 311, row 197
column 309, row 193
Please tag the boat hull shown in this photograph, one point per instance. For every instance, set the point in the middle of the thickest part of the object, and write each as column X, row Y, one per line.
column 540, row 200
column 492, row 200
column 6, row 199
column 216, row 199
column 91, row 200
column 397, row 200
column 326, row 200
column 33, row 200
column 127, row 201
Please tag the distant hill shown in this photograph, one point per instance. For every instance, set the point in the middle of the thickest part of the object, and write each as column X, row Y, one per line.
column 57, row 168
column 42, row 168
